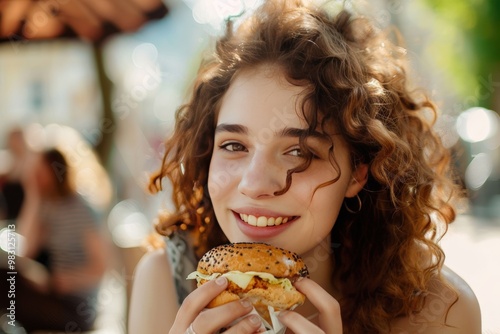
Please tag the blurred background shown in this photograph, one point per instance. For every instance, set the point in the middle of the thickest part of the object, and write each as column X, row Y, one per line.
column 101, row 81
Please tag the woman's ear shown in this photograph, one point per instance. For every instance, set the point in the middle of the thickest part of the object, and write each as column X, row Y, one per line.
column 358, row 180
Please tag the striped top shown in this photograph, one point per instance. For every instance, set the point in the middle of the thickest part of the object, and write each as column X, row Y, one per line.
column 66, row 221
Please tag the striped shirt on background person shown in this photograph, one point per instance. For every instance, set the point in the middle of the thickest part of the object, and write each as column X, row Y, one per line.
column 66, row 222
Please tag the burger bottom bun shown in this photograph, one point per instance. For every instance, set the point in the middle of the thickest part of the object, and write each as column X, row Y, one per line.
column 273, row 295
column 223, row 298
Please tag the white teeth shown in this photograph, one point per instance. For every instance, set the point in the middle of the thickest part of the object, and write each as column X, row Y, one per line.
column 263, row 221
column 252, row 220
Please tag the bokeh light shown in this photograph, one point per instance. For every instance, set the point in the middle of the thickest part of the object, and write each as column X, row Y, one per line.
column 477, row 124
column 6, row 235
column 478, row 171
column 128, row 225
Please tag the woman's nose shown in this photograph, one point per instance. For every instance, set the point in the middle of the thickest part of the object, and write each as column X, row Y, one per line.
column 261, row 178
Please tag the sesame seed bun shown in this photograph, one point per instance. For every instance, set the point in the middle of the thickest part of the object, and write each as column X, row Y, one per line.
column 253, row 256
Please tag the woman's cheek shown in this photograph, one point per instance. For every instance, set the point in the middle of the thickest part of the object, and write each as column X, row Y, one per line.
column 213, row 188
column 222, row 176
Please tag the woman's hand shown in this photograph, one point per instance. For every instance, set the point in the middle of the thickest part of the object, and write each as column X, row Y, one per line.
column 193, row 312
column 330, row 321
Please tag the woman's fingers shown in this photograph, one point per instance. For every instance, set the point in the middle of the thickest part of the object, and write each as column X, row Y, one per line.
column 211, row 320
column 195, row 302
column 247, row 325
column 205, row 321
column 193, row 311
column 299, row 324
column 330, row 319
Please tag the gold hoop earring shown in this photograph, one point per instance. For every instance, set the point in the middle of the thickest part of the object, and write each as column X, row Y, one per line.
column 360, row 204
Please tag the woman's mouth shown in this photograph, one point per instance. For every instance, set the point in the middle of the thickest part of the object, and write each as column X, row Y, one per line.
column 263, row 221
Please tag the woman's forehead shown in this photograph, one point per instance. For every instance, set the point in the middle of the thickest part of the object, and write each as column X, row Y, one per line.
column 265, row 94
column 257, row 94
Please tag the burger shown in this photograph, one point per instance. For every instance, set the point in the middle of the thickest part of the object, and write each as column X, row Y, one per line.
column 258, row 272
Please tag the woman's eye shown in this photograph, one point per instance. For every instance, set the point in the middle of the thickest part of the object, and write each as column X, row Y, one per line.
column 233, row 147
column 296, row 152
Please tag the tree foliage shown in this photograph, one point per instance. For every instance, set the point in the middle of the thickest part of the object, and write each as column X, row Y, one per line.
column 473, row 57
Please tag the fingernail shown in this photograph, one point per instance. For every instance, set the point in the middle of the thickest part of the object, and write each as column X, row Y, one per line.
column 221, row 280
column 246, row 303
column 254, row 319
column 282, row 313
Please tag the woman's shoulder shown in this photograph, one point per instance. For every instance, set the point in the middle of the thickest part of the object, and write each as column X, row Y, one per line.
column 464, row 310
column 173, row 258
column 153, row 269
column 153, row 262
column 450, row 307
column 152, row 281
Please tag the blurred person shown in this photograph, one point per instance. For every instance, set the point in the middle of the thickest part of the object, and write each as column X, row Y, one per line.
column 11, row 189
column 56, row 218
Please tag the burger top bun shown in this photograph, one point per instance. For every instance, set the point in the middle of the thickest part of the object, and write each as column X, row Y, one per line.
column 252, row 256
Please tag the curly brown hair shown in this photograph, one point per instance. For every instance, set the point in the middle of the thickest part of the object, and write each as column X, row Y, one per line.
column 355, row 78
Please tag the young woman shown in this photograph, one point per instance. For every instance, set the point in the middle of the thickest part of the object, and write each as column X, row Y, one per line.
column 54, row 218
column 302, row 132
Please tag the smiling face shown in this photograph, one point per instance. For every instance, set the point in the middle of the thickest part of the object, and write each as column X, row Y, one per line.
column 256, row 143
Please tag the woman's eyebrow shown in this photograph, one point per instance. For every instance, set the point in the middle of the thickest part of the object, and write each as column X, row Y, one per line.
column 233, row 128
column 298, row 132
column 284, row 132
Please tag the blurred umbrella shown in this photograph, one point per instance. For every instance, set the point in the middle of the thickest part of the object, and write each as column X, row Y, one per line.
column 90, row 20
